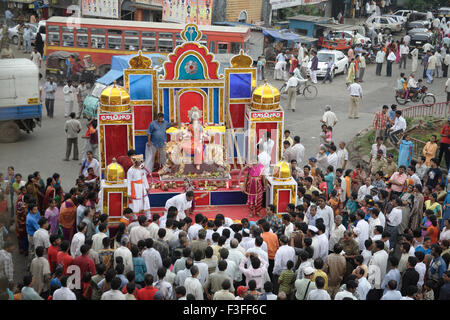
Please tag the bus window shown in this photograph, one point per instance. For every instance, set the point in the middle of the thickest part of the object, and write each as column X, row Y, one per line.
column 82, row 38
column 115, row 39
column 97, row 41
column 178, row 40
column 146, row 34
column 53, row 35
column 115, row 42
column 97, row 31
column 148, row 44
column 131, row 43
column 165, row 42
column 131, row 33
column 67, row 37
column 235, row 47
column 212, row 47
column 222, row 48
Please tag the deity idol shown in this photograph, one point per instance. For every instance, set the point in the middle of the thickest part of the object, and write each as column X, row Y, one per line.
column 194, row 137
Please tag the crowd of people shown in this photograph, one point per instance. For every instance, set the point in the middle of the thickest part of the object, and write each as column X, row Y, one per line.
column 380, row 232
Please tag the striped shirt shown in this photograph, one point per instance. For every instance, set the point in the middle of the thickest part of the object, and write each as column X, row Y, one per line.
column 379, row 121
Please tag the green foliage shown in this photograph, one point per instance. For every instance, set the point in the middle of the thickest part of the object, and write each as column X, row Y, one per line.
column 420, row 5
column 310, row 10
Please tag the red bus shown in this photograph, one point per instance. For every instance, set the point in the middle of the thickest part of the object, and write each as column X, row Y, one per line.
column 101, row 38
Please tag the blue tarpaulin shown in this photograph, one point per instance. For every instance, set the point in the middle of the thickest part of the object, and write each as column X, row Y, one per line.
column 282, row 36
column 118, row 63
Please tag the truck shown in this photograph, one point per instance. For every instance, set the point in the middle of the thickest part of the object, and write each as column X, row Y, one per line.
column 20, row 101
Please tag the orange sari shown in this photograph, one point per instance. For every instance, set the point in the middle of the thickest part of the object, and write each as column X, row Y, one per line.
column 67, row 219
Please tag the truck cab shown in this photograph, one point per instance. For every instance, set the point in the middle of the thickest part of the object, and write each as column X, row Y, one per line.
column 20, row 101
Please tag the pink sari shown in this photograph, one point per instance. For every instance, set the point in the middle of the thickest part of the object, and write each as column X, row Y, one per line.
column 254, row 187
column 398, row 57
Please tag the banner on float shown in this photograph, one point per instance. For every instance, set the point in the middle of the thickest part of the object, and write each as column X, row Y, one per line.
column 194, row 11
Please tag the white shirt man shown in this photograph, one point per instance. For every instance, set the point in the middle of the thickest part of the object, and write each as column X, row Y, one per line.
column 342, row 155
column 77, row 241
column 36, row 58
column 363, row 288
column 260, row 252
column 372, row 224
column 344, row 294
column 41, row 238
column 203, row 271
column 69, row 98
column 363, row 227
column 333, row 159
column 181, row 203
column 404, row 49
column 318, row 294
column 399, row 124
column 193, row 231
column 323, row 245
column 153, row 229
column 380, row 54
column 363, row 191
column 265, row 159
column 138, row 188
column 194, row 287
column 395, row 217
column 380, row 259
column 355, row 90
column 421, row 269
column 282, row 256
column 139, row 233
column 337, row 232
column 113, row 295
column 153, row 261
column 300, row 150
column 97, row 241
column 327, row 214
column 329, row 118
column 64, row 293
column 127, row 257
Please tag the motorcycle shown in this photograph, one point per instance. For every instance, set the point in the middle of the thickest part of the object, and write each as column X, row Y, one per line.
column 420, row 95
column 372, row 53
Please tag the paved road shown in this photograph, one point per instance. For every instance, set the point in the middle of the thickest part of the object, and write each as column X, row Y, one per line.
column 44, row 149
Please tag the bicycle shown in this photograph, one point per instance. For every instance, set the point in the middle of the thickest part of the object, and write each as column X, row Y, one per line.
column 305, row 88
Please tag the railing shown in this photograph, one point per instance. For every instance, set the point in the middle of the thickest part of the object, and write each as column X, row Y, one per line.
column 417, row 148
column 440, row 109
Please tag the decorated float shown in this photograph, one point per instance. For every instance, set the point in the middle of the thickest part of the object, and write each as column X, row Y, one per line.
column 217, row 121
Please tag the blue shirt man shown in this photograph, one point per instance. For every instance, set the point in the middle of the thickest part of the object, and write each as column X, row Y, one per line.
column 393, row 274
column 157, row 131
column 32, row 221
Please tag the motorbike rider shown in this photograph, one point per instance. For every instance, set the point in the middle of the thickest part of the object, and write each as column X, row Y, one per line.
column 400, row 83
column 412, row 85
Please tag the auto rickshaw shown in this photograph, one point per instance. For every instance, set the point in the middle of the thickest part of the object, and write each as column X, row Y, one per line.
column 57, row 65
column 89, row 70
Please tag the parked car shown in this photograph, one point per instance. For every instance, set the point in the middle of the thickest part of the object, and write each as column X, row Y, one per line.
column 339, row 58
column 13, row 33
column 418, row 24
column 386, row 24
column 419, row 30
column 348, row 35
column 418, row 40
column 416, row 15
column 403, row 13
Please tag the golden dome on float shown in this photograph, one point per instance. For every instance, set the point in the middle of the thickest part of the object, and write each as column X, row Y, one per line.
column 115, row 99
column 281, row 171
column 241, row 60
column 115, row 174
column 266, row 97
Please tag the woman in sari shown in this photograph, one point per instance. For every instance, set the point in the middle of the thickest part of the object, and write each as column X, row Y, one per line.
column 417, row 209
column 31, row 187
column 429, row 150
column 335, row 202
column 407, row 198
column 49, row 193
column 255, row 185
column 405, row 152
column 21, row 217
column 435, row 206
column 68, row 217
column 397, row 52
column 358, row 177
column 321, row 184
column 351, row 73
